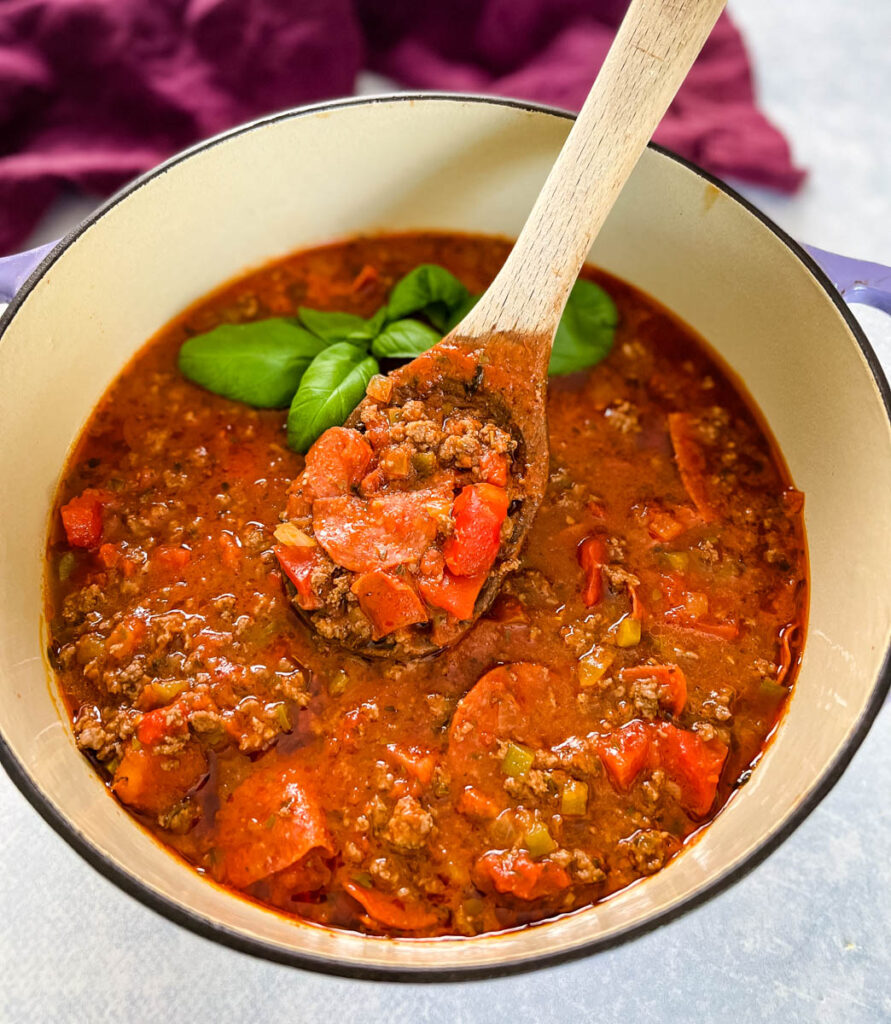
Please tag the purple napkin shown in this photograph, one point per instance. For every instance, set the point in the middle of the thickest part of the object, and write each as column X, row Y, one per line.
column 92, row 92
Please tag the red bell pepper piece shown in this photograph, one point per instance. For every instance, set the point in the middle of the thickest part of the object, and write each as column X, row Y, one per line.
column 478, row 513
column 691, row 762
column 454, row 594
column 298, row 564
column 515, row 872
column 494, row 468
column 625, row 752
column 691, row 463
column 82, row 519
column 592, row 558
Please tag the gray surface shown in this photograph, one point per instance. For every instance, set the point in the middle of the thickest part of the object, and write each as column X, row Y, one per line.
column 805, row 937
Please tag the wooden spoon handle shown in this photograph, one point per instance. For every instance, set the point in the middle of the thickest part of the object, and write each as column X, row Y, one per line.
column 653, row 50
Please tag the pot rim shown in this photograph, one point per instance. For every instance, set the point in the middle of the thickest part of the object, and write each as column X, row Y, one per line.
column 207, row 928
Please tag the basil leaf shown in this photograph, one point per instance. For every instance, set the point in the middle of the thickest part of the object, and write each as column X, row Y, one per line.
column 461, row 312
column 586, row 330
column 260, row 363
column 332, row 326
column 430, row 290
column 331, row 388
column 404, row 339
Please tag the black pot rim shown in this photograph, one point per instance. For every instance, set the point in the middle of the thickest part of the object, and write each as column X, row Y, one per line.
column 209, row 929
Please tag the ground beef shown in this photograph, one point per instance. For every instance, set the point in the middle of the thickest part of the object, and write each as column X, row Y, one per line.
column 409, row 825
column 649, row 849
column 79, row 604
column 624, row 416
column 104, row 732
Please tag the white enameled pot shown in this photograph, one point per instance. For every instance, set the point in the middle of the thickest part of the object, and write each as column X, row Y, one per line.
column 466, row 164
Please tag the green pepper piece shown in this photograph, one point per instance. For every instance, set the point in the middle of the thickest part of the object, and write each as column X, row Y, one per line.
column 517, row 761
column 538, row 841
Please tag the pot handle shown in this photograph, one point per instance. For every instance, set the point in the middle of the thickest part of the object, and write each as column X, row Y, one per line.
column 857, row 280
column 16, row 269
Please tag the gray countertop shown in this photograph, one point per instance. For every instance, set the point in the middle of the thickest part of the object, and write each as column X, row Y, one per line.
column 804, row 937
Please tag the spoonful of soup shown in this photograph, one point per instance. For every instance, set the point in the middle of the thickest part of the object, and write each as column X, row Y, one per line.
column 406, row 520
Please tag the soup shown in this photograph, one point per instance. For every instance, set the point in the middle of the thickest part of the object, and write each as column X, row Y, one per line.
column 619, row 690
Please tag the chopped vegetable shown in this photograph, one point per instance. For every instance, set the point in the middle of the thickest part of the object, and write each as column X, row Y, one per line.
column 478, row 513
column 290, row 535
column 592, row 558
column 475, row 804
column 419, row 762
column 624, row 752
column 157, row 693
column 494, row 468
column 454, row 594
column 299, row 564
column 171, row 556
column 594, row 666
column 338, row 683
column 691, row 463
column 517, row 761
column 159, row 725
column 516, row 873
column 423, row 463
column 574, row 798
column 380, row 388
column 82, row 519
column 678, row 560
column 772, row 689
column 628, row 632
column 694, row 764
column 539, row 841
column 67, row 565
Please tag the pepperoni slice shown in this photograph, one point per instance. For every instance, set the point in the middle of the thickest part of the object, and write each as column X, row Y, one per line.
column 381, row 532
column 523, row 702
column 390, row 911
column 271, row 821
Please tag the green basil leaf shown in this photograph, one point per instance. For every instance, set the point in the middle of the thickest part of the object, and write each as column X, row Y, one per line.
column 404, row 339
column 429, row 290
column 461, row 312
column 260, row 363
column 332, row 326
column 586, row 330
column 331, row 388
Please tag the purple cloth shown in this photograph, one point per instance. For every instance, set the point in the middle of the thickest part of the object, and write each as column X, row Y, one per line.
column 92, row 92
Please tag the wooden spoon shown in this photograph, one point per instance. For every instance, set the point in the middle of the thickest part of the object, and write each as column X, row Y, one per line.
column 500, row 350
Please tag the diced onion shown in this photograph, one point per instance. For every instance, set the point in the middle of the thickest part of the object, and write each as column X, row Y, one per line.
column 593, row 666
column 628, row 632
column 289, row 535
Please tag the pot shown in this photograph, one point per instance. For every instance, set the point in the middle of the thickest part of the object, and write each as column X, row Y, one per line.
column 468, row 164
